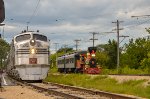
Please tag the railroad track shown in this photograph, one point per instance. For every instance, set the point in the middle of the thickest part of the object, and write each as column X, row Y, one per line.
column 72, row 92
column 94, row 94
column 130, row 74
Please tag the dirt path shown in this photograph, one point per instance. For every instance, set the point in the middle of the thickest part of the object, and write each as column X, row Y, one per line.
column 19, row 92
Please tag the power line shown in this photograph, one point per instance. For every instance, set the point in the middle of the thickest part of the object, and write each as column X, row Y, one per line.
column 35, row 10
column 33, row 14
column 140, row 22
column 123, row 38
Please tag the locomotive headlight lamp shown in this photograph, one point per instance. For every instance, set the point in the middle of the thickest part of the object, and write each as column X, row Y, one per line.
column 32, row 50
column 32, row 42
column 93, row 55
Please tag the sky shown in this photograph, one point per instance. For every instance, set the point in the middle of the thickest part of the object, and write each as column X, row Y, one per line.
column 64, row 21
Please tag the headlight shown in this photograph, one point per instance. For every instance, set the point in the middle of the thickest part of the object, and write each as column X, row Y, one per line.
column 32, row 42
column 93, row 55
column 32, row 50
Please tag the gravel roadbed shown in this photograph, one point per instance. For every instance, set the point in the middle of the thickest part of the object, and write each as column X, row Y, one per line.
column 19, row 92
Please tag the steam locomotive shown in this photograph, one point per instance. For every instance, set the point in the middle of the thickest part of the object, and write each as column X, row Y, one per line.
column 79, row 62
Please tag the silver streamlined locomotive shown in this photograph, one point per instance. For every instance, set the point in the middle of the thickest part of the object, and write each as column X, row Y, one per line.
column 29, row 56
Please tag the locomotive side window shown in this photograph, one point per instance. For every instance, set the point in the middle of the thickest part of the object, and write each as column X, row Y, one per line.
column 67, row 61
column 59, row 62
column 71, row 60
column 39, row 37
column 23, row 37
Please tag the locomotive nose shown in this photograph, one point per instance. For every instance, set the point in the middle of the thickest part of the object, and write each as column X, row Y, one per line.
column 32, row 42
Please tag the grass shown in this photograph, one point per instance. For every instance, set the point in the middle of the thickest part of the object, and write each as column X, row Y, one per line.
column 53, row 70
column 125, row 70
column 132, row 87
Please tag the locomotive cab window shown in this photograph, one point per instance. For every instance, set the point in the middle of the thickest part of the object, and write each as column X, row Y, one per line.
column 39, row 37
column 23, row 37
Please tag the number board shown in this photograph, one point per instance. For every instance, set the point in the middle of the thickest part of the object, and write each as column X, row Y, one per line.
column 32, row 60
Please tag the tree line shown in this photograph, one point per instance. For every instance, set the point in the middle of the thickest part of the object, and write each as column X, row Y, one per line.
column 133, row 55
column 4, row 50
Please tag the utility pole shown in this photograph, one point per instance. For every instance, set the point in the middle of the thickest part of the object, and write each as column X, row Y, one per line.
column 93, row 39
column 56, row 51
column 28, row 26
column 65, row 46
column 77, row 42
column 118, row 61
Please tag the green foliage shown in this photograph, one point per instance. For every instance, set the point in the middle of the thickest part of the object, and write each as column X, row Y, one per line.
column 148, row 30
column 4, row 49
column 125, row 70
column 65, row 50
column 53, row 60
column 110, row 52
column 102, row 59
column 102, row 83
column 135, row 56
column 135, row 52
column 145, row 63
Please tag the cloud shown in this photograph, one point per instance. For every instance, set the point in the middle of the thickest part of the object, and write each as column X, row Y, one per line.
column 73, row 19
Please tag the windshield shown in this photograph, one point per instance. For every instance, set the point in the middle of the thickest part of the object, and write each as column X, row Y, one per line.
column 23, row 37
column 39, row 37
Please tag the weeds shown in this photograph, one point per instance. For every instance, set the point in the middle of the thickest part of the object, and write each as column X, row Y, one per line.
column 133, row 87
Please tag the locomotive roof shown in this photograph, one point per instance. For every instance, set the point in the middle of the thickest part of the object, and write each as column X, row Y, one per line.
column 74, row 53
column 29, row 32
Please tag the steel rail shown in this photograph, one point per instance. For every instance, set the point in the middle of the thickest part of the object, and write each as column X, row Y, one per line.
column 57, row 93
column 69, row 96
column 130, row 74
column 50, row 91
column 96, row 92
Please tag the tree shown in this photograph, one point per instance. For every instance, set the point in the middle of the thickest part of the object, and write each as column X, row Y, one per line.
column 145, row 63
column 110, row 50
column 102, row 59
column 148, row 30
column 4, row 49
column 135, row 52
column 63, row 50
